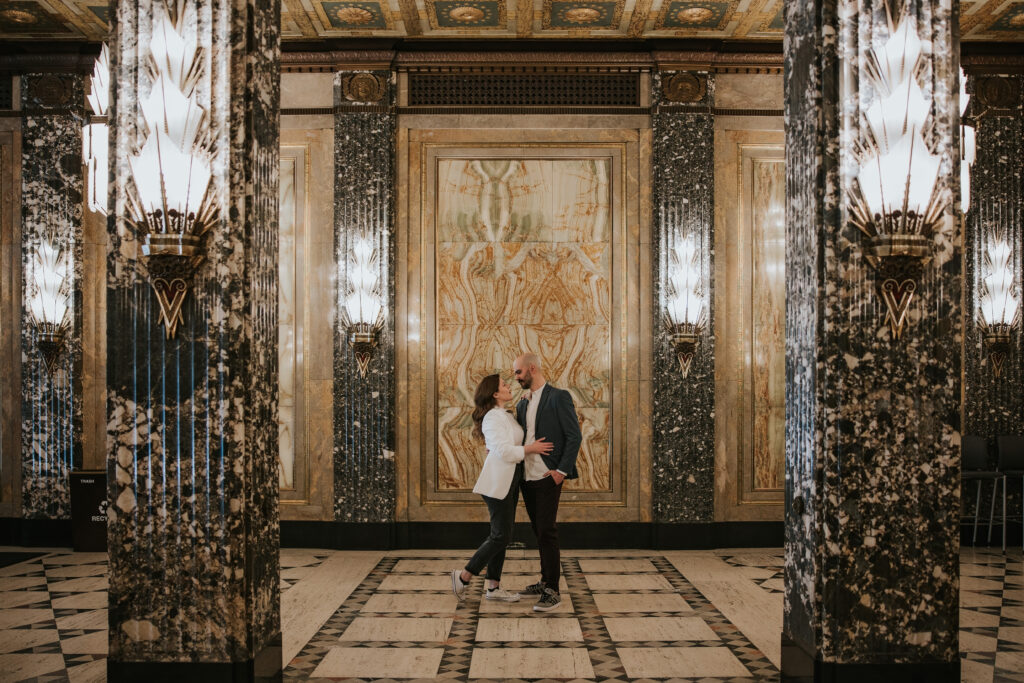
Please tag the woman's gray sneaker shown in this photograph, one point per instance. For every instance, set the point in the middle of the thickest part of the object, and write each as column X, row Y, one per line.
column 549, row 601
column 458, row 587
column 534, row 589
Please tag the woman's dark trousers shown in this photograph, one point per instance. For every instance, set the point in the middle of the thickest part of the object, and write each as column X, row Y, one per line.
column 503, row 516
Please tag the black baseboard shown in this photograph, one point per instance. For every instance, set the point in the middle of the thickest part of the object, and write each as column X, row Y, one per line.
column 265, row 667
column 36, row 533
column 800, row 666
column 1013, row 534
column 573, row 535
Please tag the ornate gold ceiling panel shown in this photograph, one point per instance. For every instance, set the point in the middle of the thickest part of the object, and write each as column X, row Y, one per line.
column 981, row 20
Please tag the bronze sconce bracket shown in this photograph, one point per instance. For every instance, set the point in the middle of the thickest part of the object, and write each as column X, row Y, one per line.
column 997, row 339
column 50, row 341
column 899, row 260
column 362, row 339
column 171, row 260
column 685, row 337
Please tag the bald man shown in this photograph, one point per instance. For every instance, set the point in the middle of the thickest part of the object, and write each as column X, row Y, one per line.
column 546, row 412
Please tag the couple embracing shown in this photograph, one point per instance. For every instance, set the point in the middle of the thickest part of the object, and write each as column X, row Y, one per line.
column 533, row 452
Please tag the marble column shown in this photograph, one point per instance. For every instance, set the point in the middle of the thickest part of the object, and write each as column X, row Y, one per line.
column 51, row 213
column 193, row 527
column 683, row 453
column 364, row 149
column 872, row 422
column 994, row 405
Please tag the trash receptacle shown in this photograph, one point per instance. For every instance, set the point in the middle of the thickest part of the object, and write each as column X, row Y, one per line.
column 89, row 510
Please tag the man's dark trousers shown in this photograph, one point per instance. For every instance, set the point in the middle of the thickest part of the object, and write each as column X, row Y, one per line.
column 541, row 499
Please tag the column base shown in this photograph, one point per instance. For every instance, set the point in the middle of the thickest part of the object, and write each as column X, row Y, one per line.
column 265, row 667
column 801, row 666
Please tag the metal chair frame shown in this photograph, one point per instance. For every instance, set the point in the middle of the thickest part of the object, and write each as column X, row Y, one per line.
column 1011, row 464
column 974, row 450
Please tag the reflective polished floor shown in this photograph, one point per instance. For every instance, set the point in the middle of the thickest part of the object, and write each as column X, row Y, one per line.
column 625, row 616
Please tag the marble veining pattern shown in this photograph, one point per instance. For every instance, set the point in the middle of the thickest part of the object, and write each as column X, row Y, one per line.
column 364, row 461
column 51, row 196
column 683, row 450
column 994, row 406
column 873, row 425
column 193, row 527
column 523, row 261
column 769, row 335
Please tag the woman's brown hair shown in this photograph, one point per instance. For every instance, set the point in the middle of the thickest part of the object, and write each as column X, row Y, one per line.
column 483, row 401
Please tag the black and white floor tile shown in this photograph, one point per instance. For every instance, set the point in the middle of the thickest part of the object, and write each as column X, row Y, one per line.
column 625, row 616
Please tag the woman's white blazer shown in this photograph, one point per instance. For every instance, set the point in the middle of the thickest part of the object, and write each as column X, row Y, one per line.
column 503, row 453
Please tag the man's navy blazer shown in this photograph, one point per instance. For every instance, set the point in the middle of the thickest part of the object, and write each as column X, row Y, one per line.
column 556, row 422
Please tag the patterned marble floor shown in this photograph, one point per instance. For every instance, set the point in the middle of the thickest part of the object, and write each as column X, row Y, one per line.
column 627, row 615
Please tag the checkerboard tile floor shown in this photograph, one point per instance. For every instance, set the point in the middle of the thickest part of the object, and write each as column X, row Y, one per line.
column 626, row 616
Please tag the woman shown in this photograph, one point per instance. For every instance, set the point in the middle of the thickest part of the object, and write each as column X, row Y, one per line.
column 498, row 483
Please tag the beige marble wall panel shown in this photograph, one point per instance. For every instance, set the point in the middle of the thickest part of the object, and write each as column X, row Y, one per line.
column 748, row 91
column 307, row 315
column 288, row 309
column 522, row 258
column 616, row 488
column 300, row 91
column 749, row 317
column 94, row 338
column 768, row 337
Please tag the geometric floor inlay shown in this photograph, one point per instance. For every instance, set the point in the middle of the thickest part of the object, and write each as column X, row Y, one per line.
column 627, row 615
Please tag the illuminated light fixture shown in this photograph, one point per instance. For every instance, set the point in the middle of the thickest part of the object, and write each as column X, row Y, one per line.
column 968, row 148
column 172, row 205
column 95, row 137
column 685, row 310
column 894, row 199
column 362, row 303
column 49, row 297
column 1000, row 309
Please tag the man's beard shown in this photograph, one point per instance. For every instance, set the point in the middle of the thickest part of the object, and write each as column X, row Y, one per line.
column 525, row 382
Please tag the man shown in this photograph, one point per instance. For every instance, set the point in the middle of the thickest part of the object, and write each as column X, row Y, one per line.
column 546, row 412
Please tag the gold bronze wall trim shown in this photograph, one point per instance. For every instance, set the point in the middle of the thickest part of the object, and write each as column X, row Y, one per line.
column 616, row 111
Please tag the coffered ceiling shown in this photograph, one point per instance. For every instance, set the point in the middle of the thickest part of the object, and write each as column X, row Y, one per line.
column 981, row 20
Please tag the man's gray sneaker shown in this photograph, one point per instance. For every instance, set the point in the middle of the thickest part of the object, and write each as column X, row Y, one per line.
column 549, row 601
column 458, row 587
column 534, row 589
column 501, row 594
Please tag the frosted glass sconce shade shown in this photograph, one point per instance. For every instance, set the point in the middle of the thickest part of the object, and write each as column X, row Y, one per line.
column 172, row 204
column 1000, row 306
column 48, row 291
column 895, row 198
column 362, row 301
column 685, row 309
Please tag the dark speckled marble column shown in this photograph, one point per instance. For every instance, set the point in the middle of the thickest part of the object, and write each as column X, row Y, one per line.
column 193, row 528
column 994, row 405
column 683, row 456
column 364, row 147
column 872, row 424
column 51, row 199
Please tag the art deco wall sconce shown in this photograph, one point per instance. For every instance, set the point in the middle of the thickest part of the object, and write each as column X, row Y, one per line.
column 1000, row 309
column 172, row 205
column 362, row 301
column 95, row 138
column 48, row 290
column 894, row 198
column 685, row 310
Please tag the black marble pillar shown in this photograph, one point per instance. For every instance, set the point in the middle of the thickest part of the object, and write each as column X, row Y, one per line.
column 683, row 453
column 994, row 405
column 51, row 210
column 364, row 148
column 872, row 423
column 193, row 528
